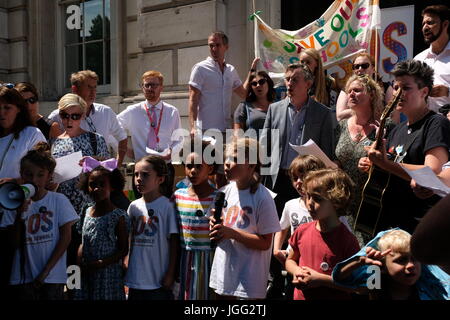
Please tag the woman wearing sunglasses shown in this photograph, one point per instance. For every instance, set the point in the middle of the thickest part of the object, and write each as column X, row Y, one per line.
column 364, row 64
column 251, row 113
column 49, row 128
column 72, row 108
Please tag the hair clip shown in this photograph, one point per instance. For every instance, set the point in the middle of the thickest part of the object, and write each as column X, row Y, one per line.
column 90, row 164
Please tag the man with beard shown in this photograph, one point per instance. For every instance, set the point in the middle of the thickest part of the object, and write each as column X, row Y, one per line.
column 151, row 124
column 435, row 29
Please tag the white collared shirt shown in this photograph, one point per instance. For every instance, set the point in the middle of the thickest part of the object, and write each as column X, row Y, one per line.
column 214, row 107
column 102, row 120
column 134, row 119
column 441, row 65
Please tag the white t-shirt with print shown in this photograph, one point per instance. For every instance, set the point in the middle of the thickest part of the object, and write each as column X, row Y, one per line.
column 238, row 270
column 28, row 138
column 149, row 250
column 42, row 222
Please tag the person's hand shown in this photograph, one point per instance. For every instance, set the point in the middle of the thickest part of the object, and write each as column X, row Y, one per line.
column 364, row 164
column 419, row 191
column 219, row 232
column 307, row 278
column 168, row 281
column 439, row 90
column 39, row 281
column 254, row 63
column 377, row 157
column 373, row 257
column 281, row 256
column 168, row 156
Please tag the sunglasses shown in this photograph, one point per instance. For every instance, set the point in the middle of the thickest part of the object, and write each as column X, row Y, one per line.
column 150, row 85
column 73, row 116
column 260, row 82
column 7, row 85
column 362, row 65
column 31, row 100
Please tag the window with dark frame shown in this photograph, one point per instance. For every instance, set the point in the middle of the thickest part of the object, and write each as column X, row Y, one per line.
column 89, row 47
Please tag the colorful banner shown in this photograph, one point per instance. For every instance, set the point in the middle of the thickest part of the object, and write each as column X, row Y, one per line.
column 341, row 32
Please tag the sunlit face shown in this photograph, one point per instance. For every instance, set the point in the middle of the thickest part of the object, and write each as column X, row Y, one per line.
column 362, row 62
column 309, row 61
column 87, row 90
column 432, row 28
column 235, row 171
column 260, row 86
column 412, row 98
column 296, row 84
column 99, row 186
column 217, row 48
column 146, row 178
column 8, row 115
column 318, row 207
column 196, row 169
column 33, row 108
column 357, row 95
column 403, row 268
column 71, row 118
column 297, row 182
column 152, row 88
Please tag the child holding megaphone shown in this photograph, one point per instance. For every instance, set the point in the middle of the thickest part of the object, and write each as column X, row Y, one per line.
column 42, row 231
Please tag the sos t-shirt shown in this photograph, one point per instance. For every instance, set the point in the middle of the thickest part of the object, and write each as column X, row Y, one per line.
column 42, row 222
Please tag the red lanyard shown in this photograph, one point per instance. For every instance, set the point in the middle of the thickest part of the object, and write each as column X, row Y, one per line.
column 152, row 127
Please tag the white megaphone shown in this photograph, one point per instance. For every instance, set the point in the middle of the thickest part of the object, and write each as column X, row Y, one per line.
column 12, row 195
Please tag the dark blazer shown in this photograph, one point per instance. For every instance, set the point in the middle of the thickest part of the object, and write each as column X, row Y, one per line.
column 318, row 127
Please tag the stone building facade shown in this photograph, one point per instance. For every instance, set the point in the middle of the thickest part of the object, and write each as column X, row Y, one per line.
column 43, row 41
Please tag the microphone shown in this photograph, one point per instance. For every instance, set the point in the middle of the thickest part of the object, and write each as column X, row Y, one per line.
column 219, row 204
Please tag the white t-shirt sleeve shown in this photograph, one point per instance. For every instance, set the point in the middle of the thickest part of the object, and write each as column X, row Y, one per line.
column 35, row 136
column 172, row 223
column 116, row 129
column 267, row 220
column 196, row 79
column 235, row 78
column 123, row 118
column 285, row 222
column 66, row 211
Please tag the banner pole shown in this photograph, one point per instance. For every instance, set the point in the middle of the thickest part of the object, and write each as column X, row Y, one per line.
column 255, row 32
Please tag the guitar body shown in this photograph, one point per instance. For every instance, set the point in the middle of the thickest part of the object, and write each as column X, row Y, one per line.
column 371, row 205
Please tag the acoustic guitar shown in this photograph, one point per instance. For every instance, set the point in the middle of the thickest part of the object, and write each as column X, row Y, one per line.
column 371, row 205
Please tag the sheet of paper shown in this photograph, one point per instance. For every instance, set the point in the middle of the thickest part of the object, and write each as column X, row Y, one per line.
column 312, row 148
column 152, row 152
column 426, row 178
column 67, row 167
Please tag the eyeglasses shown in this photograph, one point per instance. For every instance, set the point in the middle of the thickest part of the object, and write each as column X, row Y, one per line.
column 362, row 65
column 73, row 116
column 150, row 85
column 260, row 82
column 8, row 85
column 31, row 100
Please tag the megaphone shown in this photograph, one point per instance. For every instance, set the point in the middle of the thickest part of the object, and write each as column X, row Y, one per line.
column 12, row 195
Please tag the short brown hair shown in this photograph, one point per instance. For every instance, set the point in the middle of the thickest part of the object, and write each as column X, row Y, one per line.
column 78, row 78
column 153, row 73
column 23, row 120
column 333, row 185
column 27, row 87
column 304, row 164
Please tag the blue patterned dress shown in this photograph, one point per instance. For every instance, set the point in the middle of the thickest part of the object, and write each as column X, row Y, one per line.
column 99, row 242
column 64, row 147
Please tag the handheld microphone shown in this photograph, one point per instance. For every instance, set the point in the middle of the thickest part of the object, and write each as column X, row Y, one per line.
column 219, row 204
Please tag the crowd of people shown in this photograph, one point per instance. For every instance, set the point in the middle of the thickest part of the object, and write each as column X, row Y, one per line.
column 289, row 234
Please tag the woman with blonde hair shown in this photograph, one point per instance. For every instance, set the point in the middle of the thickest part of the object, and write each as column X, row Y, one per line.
column 324, row 89
column 72, row 109
column 365, row 100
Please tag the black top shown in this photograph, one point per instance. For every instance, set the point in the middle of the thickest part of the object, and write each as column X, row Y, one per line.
column 402, row 208
column 44, row 124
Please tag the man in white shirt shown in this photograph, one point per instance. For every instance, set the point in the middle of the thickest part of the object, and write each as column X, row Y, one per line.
column 151, row 123
column 99, row 117
column 211, row 85
column 435, row 29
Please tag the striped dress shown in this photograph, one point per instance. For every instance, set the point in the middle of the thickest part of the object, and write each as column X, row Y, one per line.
column 196, row 253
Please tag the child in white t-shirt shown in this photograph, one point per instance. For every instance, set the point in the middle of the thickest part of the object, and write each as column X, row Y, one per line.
column 154, row 236
column 42, row 229
column 244, row 234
